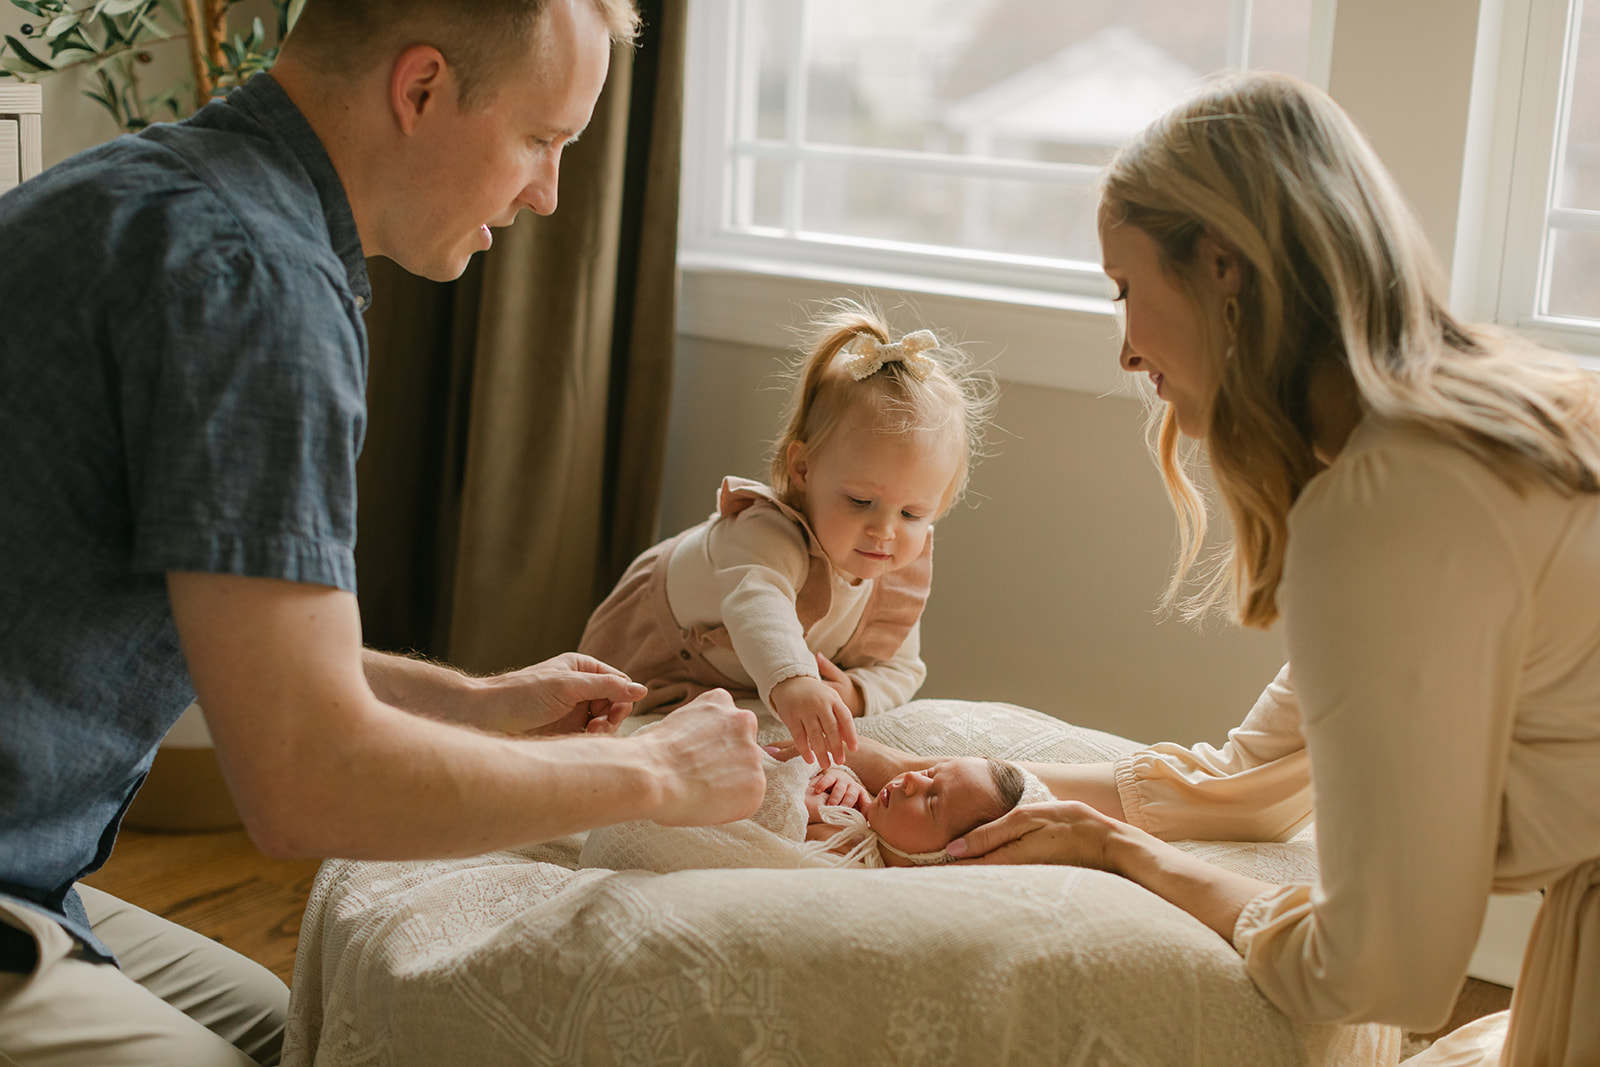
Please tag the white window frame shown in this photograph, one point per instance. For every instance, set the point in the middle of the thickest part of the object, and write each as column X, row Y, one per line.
column 751, row 288
column 1500, row 270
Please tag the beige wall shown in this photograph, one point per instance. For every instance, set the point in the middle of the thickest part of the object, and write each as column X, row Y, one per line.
column 1044, row 581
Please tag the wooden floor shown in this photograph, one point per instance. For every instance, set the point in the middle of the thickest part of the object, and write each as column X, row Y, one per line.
column 219, row 884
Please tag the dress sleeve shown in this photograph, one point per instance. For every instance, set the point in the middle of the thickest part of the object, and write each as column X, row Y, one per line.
column 759, row 562
column 1407, row 615
column 896, row 680
column 1257, row 787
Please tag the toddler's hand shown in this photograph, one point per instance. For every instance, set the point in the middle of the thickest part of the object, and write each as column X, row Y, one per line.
column 840, row 788
column 817, row 717
column 843, row 684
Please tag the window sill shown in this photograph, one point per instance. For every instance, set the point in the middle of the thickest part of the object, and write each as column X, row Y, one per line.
column 1026, row 336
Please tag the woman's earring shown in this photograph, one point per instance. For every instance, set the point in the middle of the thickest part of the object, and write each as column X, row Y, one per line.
column 1230, row 320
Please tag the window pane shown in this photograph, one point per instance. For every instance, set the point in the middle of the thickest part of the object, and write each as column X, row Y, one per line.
column 982, row 214
column 1042, row 81
column 760, row 184
column 1574, row 269
column 1017, row 78
column 1578, row 180
column 768, row 56
column 1280, row 36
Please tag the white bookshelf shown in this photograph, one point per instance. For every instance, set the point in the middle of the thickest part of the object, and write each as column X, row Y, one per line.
column 21, row 133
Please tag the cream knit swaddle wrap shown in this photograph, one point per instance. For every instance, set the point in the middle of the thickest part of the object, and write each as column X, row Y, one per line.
column 775, row 836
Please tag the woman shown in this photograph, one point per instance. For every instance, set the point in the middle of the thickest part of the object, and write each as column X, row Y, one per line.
column 1418, row 500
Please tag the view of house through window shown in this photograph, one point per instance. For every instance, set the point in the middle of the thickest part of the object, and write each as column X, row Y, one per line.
column 970, row 129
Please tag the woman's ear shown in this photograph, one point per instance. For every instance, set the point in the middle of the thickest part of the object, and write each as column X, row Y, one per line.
column 1222, row 265
column 798, row 464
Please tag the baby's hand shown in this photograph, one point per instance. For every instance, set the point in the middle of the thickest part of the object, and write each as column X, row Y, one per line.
column 817, row 717
column 837, row 787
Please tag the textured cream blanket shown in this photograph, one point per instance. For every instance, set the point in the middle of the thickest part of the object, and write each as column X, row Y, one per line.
column 515, row 958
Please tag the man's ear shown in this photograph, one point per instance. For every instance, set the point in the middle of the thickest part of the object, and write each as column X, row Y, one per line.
column 1223, row 265
column 798, row 464
column 415, row 80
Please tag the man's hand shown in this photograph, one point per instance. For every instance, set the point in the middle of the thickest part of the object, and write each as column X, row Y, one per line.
column 707, row 753
column 842, row 684
column 569, row 694
column 817, row 717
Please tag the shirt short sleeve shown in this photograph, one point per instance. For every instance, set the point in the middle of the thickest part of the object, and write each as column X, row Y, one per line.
column 244, row 410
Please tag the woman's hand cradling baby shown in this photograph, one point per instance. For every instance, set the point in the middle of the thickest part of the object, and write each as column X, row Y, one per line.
column 1064, row 831
column 817, row 717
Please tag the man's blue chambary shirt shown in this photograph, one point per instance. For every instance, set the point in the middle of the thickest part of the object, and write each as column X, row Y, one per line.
column 182, row 388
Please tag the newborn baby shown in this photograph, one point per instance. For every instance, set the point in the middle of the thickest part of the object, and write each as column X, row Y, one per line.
column 912, row 818
column 811, row 818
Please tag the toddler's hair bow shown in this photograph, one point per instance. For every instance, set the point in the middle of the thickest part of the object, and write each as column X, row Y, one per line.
column 867, row 356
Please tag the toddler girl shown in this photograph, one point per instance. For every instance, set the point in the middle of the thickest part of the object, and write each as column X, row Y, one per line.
column 808, row 592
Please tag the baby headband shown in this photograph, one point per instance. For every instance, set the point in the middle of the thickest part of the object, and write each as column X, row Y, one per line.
column 867, row 357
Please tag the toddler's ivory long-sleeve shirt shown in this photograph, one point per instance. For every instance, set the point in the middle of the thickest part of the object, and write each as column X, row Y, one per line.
column 745, row 573
column 1443, row 629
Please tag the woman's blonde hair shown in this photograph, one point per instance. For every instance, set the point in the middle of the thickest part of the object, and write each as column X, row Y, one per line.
column 954, row 398
column 1336, row 273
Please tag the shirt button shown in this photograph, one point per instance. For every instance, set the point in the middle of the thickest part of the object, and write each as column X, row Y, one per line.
column 361, row 303
column 683, row 653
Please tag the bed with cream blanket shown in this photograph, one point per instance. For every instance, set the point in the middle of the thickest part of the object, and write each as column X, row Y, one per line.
column 517, row 957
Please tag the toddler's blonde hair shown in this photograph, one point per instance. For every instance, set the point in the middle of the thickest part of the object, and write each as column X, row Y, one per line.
column 955, row 398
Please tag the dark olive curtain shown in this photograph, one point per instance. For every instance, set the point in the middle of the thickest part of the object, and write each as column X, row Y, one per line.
column 518, row 415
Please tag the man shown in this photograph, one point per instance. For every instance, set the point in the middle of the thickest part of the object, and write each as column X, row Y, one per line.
column 182, row 375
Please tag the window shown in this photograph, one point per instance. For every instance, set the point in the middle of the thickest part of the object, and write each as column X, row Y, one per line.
column 1548, row 274
column 945, row 139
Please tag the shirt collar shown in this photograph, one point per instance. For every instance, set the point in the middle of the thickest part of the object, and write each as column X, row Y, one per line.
column 263, row 99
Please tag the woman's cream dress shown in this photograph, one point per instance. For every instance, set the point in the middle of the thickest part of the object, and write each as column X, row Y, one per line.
column 1442, row 707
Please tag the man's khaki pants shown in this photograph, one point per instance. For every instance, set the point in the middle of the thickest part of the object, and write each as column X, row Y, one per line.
column 179, row 998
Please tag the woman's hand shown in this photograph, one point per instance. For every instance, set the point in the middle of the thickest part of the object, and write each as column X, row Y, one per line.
column 1066, row 831
column 873, row 761
column 1072, row 832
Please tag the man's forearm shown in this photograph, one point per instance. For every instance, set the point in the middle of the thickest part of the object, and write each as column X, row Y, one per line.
column 419, row 686
column 390, row 785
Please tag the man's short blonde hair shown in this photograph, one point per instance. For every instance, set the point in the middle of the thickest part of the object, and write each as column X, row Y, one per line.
column 481, row 39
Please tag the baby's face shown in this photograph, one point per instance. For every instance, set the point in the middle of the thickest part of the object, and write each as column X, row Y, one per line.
column 923, row 811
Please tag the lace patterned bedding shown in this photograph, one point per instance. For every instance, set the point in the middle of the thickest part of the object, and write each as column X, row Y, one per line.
column 516, row 958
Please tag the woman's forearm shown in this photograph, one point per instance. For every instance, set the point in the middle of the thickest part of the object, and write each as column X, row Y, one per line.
column 1214, row 896
column 1092, row 783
